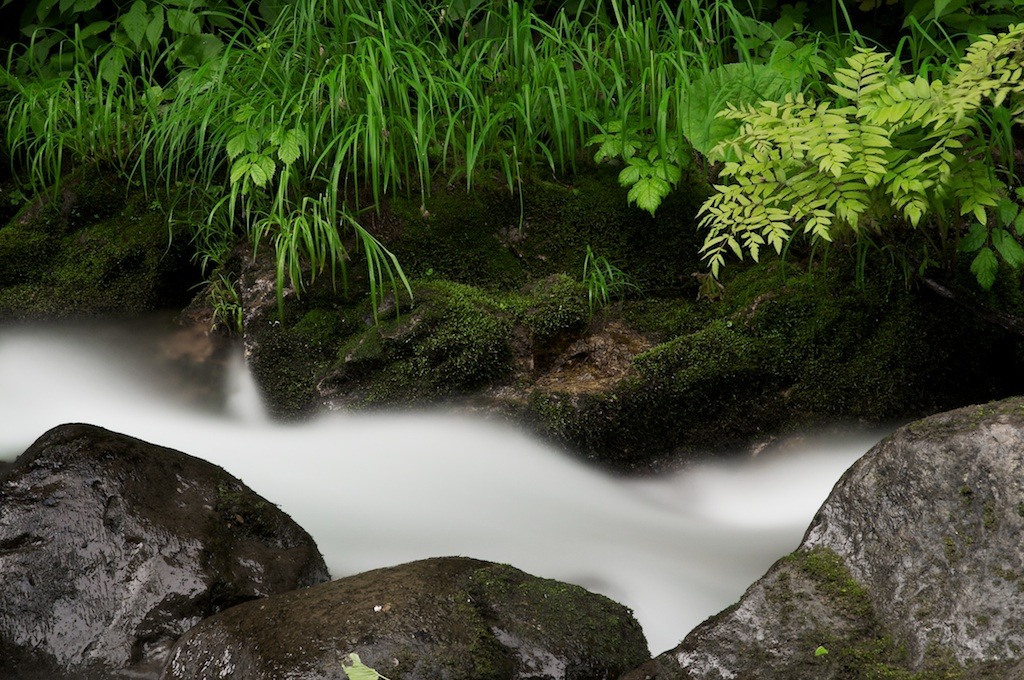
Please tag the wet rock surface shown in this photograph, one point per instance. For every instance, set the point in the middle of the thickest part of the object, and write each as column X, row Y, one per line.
column 111, row 548
column 437, row 619
column 913, row 568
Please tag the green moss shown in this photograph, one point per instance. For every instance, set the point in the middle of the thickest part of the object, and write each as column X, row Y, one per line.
column 989, row 516
column 93, row 249
column 966, row 495
column 868, row 650
column 562, row 618
column 833, row 578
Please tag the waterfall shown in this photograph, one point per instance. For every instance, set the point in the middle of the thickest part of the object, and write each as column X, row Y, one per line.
column 377, row 490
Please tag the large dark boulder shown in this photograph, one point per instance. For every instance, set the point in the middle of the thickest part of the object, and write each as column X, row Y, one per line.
column 111, row 548
column 438, row 619
column 913, row 568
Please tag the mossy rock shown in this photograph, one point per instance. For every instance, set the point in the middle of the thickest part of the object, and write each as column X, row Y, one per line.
column 453, row 340
column 495, row 239
column 92, row 246
column 910, row 569
column 784, row 349
column 439, row 619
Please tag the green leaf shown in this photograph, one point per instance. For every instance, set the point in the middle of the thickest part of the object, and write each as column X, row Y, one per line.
column 85, row 5
column 984, row 267
column 183, row 21
column 237, row 144
column 820, row 651
column 134, row 22
column 735, row 84
column 95, row 28
column 355, row 669
column 262, row 170
column 976, row 237
column 1008, row 247
column 629, row 175
column 195, row 50
column 648, row 192
column 112, row 65
column 291, row 146
column 1018, row 224
column 44, row 8
column 155, row 29
column 1007, row 211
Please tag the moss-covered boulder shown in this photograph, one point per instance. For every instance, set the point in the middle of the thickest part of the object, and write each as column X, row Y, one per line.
column 111, row 548
column 911, row 569
column 784, row 348
column 92, row 246
column 438, row 619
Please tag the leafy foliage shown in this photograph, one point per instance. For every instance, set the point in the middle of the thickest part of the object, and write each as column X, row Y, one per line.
column 891, row 149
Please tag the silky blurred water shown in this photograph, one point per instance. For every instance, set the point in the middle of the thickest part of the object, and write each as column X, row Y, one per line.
column 378, row 490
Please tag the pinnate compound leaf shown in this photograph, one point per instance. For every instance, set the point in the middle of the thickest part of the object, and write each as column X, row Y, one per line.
column 1008, row 247
column 984, row 267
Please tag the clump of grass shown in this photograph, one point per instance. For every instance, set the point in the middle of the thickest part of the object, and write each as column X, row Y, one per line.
column 285, row 130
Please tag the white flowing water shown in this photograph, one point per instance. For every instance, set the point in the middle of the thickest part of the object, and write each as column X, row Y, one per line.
column 379, row 490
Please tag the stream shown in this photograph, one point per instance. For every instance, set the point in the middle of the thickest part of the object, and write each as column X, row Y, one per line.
column 378, row 490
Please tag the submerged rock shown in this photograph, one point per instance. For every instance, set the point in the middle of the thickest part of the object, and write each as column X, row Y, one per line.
column 438, row 619
column 912, row 568
column 111, row 548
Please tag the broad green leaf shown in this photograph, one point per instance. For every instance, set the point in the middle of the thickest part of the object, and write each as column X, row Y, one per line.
column 44, row 8
column 984, row 267
column 629, row 175
column 262, row 170
column 95, row 28
column 85, row 5
column 134, row 22
column 183, row 21
column 355, row 669
column 976, row 237
column 648, row 192
column 112, row 64
column 239, row 169
column 155, row 29
column 1007, row 211
column 1008, row 247
column 291, row 146
column 735, row 84
column 196, row 50
column 1018, row 224
column 237, row 144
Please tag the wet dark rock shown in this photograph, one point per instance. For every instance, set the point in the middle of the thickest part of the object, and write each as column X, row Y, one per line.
column 913, row 568
column 439, row 619
column 111, row 548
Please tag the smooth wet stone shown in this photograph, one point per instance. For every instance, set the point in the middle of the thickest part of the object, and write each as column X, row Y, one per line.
column 111, row 548
column 449, row 618
column 913, row 568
